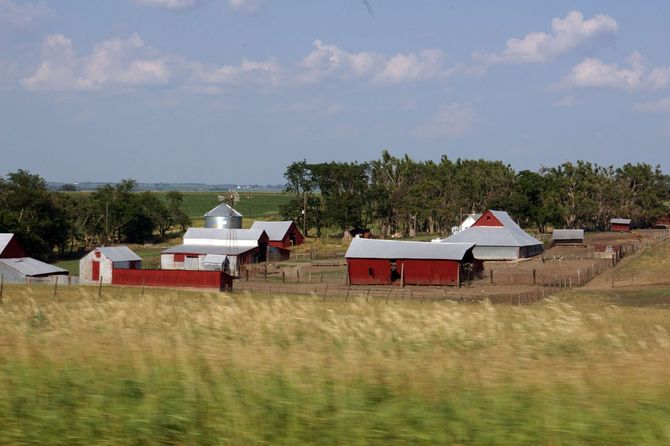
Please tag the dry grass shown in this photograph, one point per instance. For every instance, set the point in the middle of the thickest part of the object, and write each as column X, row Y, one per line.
column 198, row 368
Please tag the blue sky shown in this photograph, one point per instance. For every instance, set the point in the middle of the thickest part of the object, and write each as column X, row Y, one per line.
column 232, row 91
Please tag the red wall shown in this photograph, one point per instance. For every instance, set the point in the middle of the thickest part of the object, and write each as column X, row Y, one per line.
column 359, row 271
column 416, row 272
column 487, row 219
column 620, row 228
column 13, row 250
column 172, row 278
column 429, row 272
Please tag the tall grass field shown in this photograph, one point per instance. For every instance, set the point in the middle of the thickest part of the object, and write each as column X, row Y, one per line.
column 136, row 366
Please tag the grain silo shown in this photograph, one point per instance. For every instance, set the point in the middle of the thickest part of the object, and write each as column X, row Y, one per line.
column 223, row 217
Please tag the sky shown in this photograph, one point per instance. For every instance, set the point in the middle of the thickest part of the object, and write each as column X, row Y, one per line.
column 232, row 91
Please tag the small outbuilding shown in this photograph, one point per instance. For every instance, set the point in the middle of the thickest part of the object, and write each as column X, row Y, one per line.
column 98, row 265
column 281, row 234
column 29, row 270
column 10, row 248
column 567, row 237
column 662, row 222
column 497, row 237
column 217, row 249
column 620, row 224
column 384, row 262
column 466, row 224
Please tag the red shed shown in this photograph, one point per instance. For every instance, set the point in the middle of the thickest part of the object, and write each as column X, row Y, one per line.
column 10, row 248
column 620, row 224
column 383, row 262
column 282, row 234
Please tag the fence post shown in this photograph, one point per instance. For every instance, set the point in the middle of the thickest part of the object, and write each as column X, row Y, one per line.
column 534, row 276
column 283, row 276
column 266, row 271
column 579, row 277
column 2, row 286
column 100, row 286
column 247, row 274
column 297, row 275
column 56, row 286
column 491, row 277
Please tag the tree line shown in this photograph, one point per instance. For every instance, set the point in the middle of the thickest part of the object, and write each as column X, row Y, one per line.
column 401, row 194
column 49, row 222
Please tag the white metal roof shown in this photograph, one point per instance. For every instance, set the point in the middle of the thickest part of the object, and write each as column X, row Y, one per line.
column 208, row 249
column 510, row 234
column 32, row 267
column 223, row 237
column 215, row 259
column 568, row 234
column 119, row 253
column 620, row 221
column 362, row 248
column 223, row 210
column 5, row 238
column 276, row 230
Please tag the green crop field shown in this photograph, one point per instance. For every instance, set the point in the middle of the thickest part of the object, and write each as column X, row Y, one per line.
column 253, row 205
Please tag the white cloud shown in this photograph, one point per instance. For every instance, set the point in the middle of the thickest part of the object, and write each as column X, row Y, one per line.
column 330, row 61
column 539, row 47
column 411, row 67
column 594, row 73
column 451, row 121
column 248, row 6
column 248, row 72
column 130, row 63
column 22, row 14
column 114, row 62
column 660, row 106
column 169, row 4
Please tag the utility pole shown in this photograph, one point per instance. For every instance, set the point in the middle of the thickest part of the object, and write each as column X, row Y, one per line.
column 107, row 223
column 304, row 213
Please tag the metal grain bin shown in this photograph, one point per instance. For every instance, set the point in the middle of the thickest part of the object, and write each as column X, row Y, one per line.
column 223, row 217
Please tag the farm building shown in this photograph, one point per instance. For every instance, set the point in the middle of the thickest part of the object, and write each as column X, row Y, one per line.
column 497, row 237
column 620, row 224
column 467, row 223
column 217, row 249
column 98, row 265
column 223, row 217
column 281, row 234
column 29, row 270
column 10, row 248
column 383, row 262
column 569, row 237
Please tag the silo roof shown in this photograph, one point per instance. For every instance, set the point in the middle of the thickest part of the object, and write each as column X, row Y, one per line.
column 223, row 210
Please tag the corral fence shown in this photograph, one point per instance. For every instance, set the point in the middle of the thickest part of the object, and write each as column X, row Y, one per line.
column 327, row 293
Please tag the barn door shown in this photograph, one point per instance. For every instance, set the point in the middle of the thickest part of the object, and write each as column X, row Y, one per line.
column 95, row 273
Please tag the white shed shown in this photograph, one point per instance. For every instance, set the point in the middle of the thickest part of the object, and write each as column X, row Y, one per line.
column 97, row 265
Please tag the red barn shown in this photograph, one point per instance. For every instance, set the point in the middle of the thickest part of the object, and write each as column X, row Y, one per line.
column 383, row 262
column 663, row 222
column 620, row 224
column 281, row 234
column 10, row 248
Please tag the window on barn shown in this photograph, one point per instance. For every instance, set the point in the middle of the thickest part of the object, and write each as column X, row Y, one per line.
column 371, row 272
